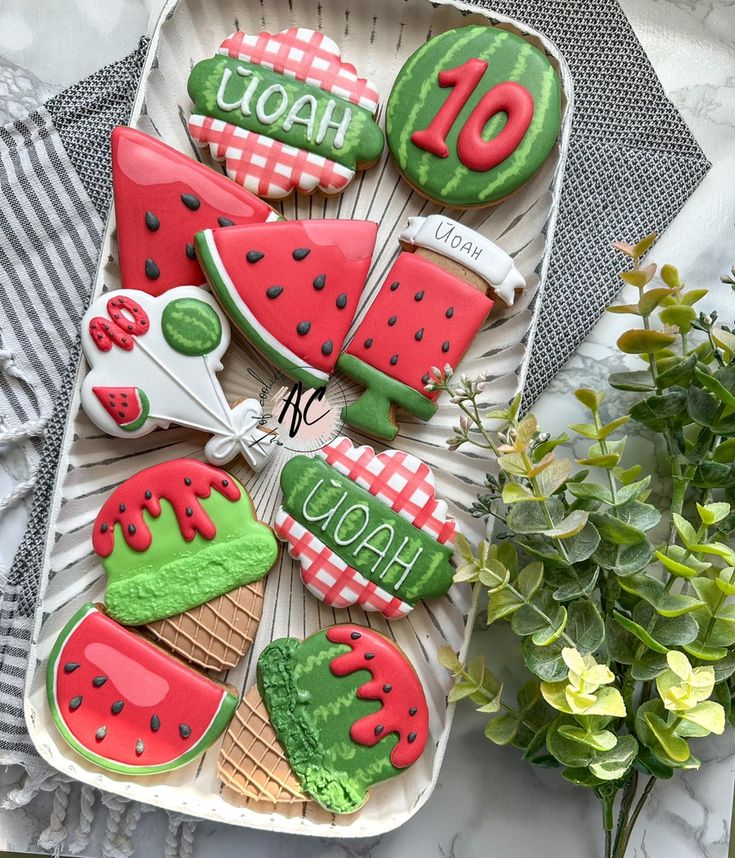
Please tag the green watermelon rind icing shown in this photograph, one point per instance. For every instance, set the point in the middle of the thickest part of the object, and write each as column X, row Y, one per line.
column 226, row 294
column 218, row 725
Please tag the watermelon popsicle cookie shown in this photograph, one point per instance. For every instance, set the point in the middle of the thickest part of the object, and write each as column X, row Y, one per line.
column 291, row 288
column 186, row 559
column 331, row 717
column 125, row 705
column 431, row 304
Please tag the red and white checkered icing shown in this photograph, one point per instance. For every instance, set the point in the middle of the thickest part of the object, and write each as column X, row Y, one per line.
column 307, row 56
column 400, row 480
column 329, row 578
column 264, row 166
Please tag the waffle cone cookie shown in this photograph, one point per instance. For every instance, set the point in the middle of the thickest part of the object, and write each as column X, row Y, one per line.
column 316, row 728
column 217, row 634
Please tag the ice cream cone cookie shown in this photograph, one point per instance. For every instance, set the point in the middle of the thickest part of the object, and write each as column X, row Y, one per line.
column 431, row 304
column 285, row 112
column 367, row 528
column 185, row 557
column 333, row 715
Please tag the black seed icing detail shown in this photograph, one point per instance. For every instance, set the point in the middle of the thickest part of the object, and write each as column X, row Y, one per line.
column 184, row 731
column 394, row 285
column 300, row 253
column 273, row 291
column 99, row 681
column 387, row 688
column 75, row 702
column 151, row 221
column 320, row 281
column 104, row 527
column 369, row 656
column 187, row 481
column 225, row 221
column 426, row 378
column 254, row 256
column 419, row 335
column 70, row 666
column 394, row 360
column 190, row 252
column 225, row 483
column 190, row 201
column 419, row 296
column 131, row 529
column 450, row 312
column 412, row 711
column 445, row 346
column 411, row 737
column 101, row 733
column 189, row 511
column 368, row 342
column 392, row 320
column 155, row 723
column 379, row 729
column 303, row 328
column 148, row 494
column 341, row 301
column 139, row 747
column 355, row 636
column 117, row 707
column 122, row 507
column 152, row 271
column 327, row 348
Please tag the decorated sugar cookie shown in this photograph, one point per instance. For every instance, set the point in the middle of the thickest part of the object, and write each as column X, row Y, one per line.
column 432, row 302
column 331, row 717
column 285, row 112
column 183, row 553
column 366, row 528
column 154, row 363
column 292, row 288
column 161, row 199
column 127, row 706
column 472, row 116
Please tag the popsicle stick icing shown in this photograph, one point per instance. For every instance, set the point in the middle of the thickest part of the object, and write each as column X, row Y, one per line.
column 154, row 364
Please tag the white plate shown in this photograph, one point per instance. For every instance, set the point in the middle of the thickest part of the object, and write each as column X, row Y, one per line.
column 378, row 38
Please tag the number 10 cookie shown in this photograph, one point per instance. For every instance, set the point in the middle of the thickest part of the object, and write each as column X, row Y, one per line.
column 472, row 116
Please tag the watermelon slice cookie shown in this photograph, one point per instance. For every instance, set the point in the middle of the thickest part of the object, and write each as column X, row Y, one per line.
column 161, row 199
column 291, row 288
column 366, row 528
column 433, row 301
column 127, row 706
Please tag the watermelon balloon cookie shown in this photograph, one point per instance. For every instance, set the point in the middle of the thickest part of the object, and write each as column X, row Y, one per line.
column 186, row 558
column 161, row 199
column 472, row 116
column 127, row 706
column 154, row 363
column 431, row 304
column 367, row 528
column 285, row 112
column 330, row 717
column 292, row 288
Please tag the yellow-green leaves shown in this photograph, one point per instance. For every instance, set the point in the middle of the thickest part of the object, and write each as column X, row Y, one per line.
column 682, row 686
column 585, row 691
column 641, row 342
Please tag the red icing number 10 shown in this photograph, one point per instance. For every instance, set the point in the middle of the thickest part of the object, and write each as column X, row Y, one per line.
column 475, row 153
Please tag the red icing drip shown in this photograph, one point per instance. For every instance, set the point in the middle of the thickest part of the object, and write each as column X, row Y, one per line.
column 127, row 320
column 168, row 481
column 394, row 682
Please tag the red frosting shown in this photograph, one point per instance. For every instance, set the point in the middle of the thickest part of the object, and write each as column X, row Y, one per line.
column 182, row 482
column 394, row 682
column 127, row 319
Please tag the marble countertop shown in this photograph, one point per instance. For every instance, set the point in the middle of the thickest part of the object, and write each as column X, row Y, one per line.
column 487, row 801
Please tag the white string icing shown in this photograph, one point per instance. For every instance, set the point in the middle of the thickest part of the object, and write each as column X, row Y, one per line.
column 55, row 834
column 83, row 830
column 246, row 437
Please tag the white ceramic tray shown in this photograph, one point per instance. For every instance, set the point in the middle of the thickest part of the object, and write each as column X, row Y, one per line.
column 377, row 37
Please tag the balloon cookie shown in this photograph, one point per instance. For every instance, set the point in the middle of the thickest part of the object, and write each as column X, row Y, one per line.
column 185, row 555
column 292, row 288
column 472, row 116
column 127, row 706
column 331, row 717
column 161, row 199
column 285, row 112
column 432, row 302
column 366, row 528
column 154, row 363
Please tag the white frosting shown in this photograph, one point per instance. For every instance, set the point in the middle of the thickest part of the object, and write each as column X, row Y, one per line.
column 467, row 247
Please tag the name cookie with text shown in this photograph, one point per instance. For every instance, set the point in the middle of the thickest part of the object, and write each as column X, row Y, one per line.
column 285, row 112
column 472, row 115
column 431, row 304
column 367, row 528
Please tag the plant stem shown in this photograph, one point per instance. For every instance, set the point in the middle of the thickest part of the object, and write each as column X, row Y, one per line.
column 626, row 803
column 625, row 839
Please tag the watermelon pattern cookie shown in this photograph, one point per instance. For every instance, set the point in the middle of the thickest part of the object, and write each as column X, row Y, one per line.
column 292, row 288
column 472, row 116
column 285, row 112
column 127, row 706
column 431, row 304
column 331, row 716
column 366, row 528
column 154, row 363
column 161, row 199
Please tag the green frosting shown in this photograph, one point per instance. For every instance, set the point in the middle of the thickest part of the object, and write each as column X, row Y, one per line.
column 364, row 532
column 191, row 327
column 312, row 711
column 220, row 81
column 173, row 575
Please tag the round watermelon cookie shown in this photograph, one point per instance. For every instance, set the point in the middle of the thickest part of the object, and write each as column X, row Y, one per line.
column 185, row 558
column 472, row 115
column 127, row 706
column 331, row 717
